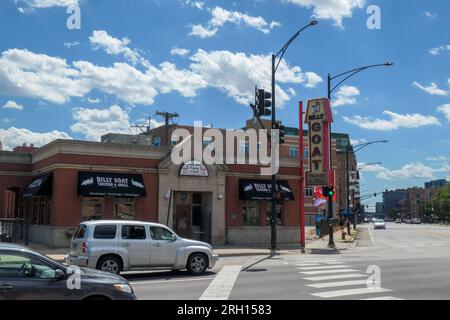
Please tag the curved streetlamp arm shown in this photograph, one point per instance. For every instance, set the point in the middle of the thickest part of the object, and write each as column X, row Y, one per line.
column 286, row 46
column 354, row 72
column 363, row 145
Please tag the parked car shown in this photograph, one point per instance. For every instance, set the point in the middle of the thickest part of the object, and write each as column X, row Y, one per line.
column 379, row 224
column 416, row 221
column 29, row 275
column 398, row 221
column 116, row 245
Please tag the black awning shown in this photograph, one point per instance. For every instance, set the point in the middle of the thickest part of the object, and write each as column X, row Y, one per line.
column 101, row 184
column 262, row 190
column 39, row 186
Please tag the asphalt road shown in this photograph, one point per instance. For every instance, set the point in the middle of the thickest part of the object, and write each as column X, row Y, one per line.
column 402, row 262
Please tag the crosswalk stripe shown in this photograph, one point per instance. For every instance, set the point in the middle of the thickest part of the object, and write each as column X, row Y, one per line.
column 307, row 264
column 220, row 288
column 337, row 276
column 384, row 298
column 311, row 273
column 349, row 292
column 324, row 267
column 337, row 284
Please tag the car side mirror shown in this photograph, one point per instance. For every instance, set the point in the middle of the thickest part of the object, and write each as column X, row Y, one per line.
column 59, row 274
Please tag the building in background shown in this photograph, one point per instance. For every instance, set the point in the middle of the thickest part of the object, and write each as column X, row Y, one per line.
column 379, row 208
column 436, row 183
column 392, row 201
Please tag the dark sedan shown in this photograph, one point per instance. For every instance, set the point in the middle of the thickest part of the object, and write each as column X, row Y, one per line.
column 29, row 275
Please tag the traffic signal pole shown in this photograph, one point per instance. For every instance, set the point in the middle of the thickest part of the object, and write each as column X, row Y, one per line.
column 273, row 216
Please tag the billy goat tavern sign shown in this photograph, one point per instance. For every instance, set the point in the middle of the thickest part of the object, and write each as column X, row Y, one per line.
column 194, row 169
column 319, row 119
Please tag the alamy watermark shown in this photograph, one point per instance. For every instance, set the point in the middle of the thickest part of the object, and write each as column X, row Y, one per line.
column 73, row 22
column 249, row 146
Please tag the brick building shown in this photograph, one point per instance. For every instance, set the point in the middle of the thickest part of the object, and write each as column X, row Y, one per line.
column 64, row 182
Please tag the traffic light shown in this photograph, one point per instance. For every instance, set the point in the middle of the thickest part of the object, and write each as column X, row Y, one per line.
column 282, row 133
column 263, row 103
column 328, row 191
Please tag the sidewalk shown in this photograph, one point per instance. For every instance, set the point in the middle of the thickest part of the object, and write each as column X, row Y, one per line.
column 313, row 246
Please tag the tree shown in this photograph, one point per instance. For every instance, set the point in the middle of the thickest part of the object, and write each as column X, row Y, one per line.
column 441, row 203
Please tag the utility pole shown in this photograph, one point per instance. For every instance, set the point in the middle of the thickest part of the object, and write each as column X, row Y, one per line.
column 168, row 117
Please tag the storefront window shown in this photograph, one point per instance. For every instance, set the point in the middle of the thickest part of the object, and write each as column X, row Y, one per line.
column 92, row 208
column 251, row 213
column 40, row 210
column 280, row 212
column 125, row 208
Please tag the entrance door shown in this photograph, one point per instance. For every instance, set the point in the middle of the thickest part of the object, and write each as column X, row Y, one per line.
column 183, row 220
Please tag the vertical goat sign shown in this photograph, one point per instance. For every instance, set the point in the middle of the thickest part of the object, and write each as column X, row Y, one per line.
column 319, row 119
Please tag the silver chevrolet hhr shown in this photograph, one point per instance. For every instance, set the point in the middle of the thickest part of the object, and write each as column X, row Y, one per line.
column 117, row 245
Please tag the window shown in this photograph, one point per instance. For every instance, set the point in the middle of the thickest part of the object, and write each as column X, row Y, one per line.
column 158, row 233
column 125, row 208
column 306, row 153
column 251, row 213
column 41, row 210
column 134, row 232
column 21, row 266
column 293, row 152
column 309, row 192
column 92, row 208
column 174, row 139
column 280, row 212
column 243, row 147
column 105, row 232
column 80, row 232
column 157, row 142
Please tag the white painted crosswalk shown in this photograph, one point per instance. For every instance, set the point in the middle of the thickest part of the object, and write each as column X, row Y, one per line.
column 335, row 279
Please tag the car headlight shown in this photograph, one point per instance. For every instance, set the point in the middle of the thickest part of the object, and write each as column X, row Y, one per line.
column 123, row 288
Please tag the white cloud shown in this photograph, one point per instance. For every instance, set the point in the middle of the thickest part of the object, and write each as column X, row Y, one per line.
column 438, row 50
column 335, row 10
column 30, row 5
column 8, row 120
column 93, row 123
column 27, row 74
column 414, row 170
column 238, row 73
column 346, row 96
column 221, row 16
column 200, row 5
column 100, row 39
column 445, row 109
column 71, row 44
column 13, row 105
column 14, row 137
column 199, row 31
column 432, row 89
column 357, row 141
column 179, row 52
column 430, row 15
column 94, row 101
column 438, row 158
column 395, row 122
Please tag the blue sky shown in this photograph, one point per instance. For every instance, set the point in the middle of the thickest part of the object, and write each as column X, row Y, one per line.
column 202, row 59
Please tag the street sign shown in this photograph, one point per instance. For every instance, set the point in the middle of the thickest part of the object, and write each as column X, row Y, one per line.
column 319, row 118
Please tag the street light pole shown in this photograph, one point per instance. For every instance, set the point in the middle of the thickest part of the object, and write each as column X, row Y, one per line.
column 275, row 65
column 330, row 89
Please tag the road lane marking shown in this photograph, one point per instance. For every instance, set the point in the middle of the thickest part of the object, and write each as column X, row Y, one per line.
column 311, row 273
column 337, row 284
column 349, row 292
column 220, row 288
column 336, row 277
column 371, row 236
column 169, row 281
column 437, row 244
column 323, row 267
column 383, row 298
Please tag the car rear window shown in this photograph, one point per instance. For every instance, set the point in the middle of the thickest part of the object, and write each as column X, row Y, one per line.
column 80, row 232
column 105, row 232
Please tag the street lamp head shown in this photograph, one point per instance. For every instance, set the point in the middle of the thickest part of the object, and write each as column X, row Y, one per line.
column 389, row 64
column 313, row 22
column 385, row 141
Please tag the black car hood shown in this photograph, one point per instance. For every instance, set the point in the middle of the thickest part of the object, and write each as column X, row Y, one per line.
column 102, row 276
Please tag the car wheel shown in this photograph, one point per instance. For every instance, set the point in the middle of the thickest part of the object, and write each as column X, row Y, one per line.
column 197, row 263
column 110, row 264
